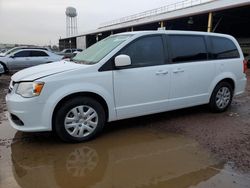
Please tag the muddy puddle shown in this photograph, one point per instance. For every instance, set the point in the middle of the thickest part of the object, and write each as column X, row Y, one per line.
column 124, row 157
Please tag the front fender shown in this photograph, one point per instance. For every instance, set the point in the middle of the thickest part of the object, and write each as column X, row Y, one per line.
column 4, row 63
column 55, row 97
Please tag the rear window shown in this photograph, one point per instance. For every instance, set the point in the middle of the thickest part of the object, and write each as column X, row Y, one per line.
column 223, row 48
column 67, row 51
column 187, row 48
column 38, row 54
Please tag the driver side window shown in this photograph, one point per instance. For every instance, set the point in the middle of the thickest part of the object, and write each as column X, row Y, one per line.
column 22, row 54
column 146, row 51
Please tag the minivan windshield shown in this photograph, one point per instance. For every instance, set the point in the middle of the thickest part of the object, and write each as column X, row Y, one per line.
column 99, row 50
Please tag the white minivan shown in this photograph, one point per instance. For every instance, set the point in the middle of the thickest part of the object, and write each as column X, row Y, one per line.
column 124, row 76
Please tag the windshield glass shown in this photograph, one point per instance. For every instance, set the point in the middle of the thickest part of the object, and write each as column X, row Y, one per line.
column 11, row 51
column 99, row 50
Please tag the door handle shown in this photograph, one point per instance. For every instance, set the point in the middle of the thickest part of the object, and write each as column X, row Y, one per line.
column 161, row 72
column 178, row 71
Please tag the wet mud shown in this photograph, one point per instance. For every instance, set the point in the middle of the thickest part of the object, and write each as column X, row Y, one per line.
column 131, row 156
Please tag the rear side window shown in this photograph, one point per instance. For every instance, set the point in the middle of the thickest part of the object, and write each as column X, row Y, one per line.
column 188, row 48
column 146, row 51
column 22, row 54
column 38, row 54
column 68, row 51
column 223, row 48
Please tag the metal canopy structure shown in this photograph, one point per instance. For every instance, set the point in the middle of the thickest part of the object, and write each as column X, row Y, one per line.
column 155, row 12
column 195, row 15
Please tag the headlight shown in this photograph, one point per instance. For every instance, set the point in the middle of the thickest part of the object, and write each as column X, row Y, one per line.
column 30, row 89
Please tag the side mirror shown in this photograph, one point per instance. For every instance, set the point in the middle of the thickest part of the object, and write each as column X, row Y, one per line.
column 12, row 56
column 122, row 60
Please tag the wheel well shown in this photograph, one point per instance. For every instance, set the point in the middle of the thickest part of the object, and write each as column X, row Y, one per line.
column 230, row 81
column 227, row 80
column 83, row 94
column 4, row 66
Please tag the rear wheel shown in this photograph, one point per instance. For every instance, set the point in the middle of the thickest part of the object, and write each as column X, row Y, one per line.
column 79, row 119
column 221, row 97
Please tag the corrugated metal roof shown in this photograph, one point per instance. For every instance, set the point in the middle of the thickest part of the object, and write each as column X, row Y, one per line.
column 204, row 6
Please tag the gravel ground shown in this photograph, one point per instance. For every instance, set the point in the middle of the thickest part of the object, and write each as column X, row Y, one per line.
column 227, row 135
column 4, row 84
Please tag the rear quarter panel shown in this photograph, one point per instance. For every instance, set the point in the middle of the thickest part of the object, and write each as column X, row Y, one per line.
column 231, row 68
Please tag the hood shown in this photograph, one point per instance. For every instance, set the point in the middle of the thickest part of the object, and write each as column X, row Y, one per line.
column 40, row 71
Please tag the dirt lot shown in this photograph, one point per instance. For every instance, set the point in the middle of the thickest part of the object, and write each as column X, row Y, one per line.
column 4, row 83
column 227, row 135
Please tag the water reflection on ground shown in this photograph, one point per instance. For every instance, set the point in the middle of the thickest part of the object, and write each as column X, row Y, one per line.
column 131, row 156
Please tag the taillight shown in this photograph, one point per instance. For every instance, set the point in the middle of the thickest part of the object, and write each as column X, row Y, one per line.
column 245, row 66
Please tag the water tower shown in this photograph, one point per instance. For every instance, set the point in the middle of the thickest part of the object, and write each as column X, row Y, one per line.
column 71, row 21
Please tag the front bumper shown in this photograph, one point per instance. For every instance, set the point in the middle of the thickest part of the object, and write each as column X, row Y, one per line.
column 28, row 110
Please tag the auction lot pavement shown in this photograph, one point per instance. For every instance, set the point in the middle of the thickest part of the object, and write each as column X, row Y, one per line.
column 184, row 148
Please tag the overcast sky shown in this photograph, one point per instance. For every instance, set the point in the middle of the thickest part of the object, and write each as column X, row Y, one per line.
column 42, row 22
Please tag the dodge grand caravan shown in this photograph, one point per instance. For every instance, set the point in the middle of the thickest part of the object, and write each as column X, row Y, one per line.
column 124, row 76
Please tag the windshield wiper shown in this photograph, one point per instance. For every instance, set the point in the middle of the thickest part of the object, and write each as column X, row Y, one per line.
column 82, row 62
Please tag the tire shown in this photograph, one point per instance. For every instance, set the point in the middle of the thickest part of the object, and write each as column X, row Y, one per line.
column 6, row 70
column 221, row 97
column 79, row 119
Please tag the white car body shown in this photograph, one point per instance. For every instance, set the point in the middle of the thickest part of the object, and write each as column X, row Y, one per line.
column 17, row 63
column 127, row 92
column 10, row 51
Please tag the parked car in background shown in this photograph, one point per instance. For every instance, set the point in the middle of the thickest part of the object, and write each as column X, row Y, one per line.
column 28, row 57
column 247, row 58
column 127, row 75
column 3, row 51
column 69, row 53
column 1, row 70
column 7, row 52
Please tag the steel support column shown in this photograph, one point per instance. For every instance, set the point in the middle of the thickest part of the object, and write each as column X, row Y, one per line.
column 162, row 24
column 210, row 22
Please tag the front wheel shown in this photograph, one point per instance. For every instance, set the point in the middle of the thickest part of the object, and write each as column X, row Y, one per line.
column 221, row 97
column 79, row 119
column 6, row 70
